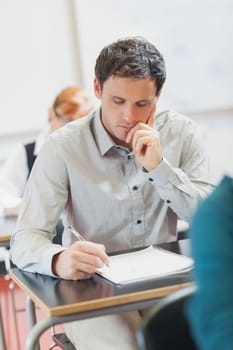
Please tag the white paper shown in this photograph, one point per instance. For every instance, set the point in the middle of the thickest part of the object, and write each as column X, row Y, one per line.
column 148, row 263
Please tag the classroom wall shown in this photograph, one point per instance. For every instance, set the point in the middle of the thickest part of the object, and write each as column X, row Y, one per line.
column 39, row 56
column 217, row 130
column 195, row 37
column 46, row 45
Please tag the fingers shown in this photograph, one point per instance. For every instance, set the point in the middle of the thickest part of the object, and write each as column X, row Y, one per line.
column 80, row 260
column 138, row 127
column 148, row 125
column 146, row 145
column 95, row 253
column 80, row 275
column 151, row 118
column 89, row 257
column 140, row 136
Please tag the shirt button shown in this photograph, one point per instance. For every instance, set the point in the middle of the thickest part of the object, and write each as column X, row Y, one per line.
column 135, row 188
column 144, row 170
column 150, row 179
column 139, row 222
column 168, row 201
column 129, row 156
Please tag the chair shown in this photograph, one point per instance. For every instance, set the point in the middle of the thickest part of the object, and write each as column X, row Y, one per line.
column 165, row 327
column 60, row 340
column 5, row 257
column 59, row 232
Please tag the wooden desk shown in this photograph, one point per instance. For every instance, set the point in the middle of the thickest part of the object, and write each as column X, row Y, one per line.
column 66, row 301
column 7, row 226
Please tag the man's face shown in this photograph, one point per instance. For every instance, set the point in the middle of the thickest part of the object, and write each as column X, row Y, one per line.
column 124, row 103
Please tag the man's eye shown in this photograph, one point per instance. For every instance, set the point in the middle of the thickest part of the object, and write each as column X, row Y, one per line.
column 118, row 101
column 141, row 104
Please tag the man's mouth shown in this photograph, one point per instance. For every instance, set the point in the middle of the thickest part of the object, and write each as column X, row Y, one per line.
column 127, row 128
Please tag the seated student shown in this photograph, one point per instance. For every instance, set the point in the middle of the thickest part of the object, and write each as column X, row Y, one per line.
column 211, row 310
column 70, row 104
column 122, row 176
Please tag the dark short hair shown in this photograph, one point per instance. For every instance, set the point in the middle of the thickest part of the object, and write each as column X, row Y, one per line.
column 132, row 57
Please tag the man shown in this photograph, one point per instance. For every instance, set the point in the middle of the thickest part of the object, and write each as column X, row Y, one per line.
column 123, row 175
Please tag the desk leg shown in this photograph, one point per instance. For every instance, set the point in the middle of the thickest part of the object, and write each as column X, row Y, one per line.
column 31, row 317
column 37, row 330
column 12, row 295
column 2, row 337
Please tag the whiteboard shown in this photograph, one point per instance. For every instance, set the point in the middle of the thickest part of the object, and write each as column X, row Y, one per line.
column 194, row 36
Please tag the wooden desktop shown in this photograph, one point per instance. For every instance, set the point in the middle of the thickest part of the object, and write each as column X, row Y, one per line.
column 65, row 301
column 7, row 226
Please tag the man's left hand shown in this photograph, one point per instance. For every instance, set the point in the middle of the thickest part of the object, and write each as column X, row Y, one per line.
column 145, row 143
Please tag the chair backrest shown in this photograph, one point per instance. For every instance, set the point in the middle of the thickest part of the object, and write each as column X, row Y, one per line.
column 166, row 327
column 59, row 232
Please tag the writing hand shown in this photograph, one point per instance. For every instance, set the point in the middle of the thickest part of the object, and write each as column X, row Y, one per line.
column 80, row 261
column 145, row 142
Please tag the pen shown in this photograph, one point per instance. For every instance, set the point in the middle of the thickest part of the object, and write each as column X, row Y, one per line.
column 76, row 233
column 79, row 236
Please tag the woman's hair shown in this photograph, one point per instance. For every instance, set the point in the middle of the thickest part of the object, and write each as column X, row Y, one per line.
column 72, row 103
column 132, row 57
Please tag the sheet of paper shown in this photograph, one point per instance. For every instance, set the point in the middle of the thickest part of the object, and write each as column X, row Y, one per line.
column 148, row 263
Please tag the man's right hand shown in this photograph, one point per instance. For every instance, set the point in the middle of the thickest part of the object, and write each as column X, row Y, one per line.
column 80, row 261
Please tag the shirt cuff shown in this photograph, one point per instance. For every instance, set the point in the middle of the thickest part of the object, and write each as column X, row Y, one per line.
column 47, row 258
column 162, row 173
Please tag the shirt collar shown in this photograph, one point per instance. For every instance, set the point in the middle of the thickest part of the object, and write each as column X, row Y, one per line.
column 104, row 141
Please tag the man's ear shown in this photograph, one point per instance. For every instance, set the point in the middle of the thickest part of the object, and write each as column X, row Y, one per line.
column 97, row 88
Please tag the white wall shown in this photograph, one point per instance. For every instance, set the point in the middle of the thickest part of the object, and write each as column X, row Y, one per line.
column 38, row 58
column 48, row 44
column 195, row 37
column 217, row 129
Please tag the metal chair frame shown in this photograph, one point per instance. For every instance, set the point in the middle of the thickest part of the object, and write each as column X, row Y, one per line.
column 166, row 327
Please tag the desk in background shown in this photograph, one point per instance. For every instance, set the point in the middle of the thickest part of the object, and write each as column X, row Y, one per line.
column 66, row 301
column 7, row 227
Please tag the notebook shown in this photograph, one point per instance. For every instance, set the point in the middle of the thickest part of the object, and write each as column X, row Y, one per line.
column 148, row 263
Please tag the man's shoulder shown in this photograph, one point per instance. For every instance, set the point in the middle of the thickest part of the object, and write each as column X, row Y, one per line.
column 74, row 128
column 170, row 115
column 168, row 119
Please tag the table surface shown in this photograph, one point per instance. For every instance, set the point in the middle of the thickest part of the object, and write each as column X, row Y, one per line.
column 59, row 297
column 7, row 227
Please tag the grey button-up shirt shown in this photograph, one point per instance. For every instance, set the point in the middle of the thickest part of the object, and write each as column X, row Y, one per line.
column 101, row 190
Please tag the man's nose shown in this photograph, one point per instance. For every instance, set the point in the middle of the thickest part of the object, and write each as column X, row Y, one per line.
column 129, row 114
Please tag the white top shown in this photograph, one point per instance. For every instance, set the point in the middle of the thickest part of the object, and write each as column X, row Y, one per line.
column 14, row 175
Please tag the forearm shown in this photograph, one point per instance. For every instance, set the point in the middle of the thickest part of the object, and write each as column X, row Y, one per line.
column 36, row 254
column 179, row 191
